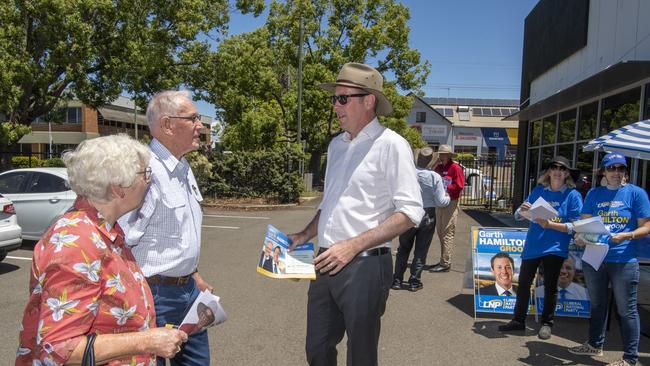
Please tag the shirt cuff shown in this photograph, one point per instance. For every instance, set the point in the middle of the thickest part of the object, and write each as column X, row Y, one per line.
column 414, row 213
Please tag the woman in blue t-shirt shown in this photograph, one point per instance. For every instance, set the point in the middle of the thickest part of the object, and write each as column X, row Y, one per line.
column 547, row 242
column 625, row 211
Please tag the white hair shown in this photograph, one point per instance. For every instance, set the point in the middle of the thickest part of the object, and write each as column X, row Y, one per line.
column 165, row 103
column 97, row 163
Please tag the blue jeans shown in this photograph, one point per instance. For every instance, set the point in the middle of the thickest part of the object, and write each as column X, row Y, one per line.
column 172, row 303
column 624, row 278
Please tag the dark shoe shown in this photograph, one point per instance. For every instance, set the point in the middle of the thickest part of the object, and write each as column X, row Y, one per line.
column 440, row 268
column 512, row 325
column 397, row 284
column 414, row 285
column 429, row 267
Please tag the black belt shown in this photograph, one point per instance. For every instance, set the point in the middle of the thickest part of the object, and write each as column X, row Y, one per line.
column 164, row 280
column 366, row 253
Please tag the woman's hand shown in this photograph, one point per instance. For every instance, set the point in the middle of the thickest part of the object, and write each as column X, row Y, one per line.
column 524, row 207
column 580, row 241
column 165, row 342
column 619, row 237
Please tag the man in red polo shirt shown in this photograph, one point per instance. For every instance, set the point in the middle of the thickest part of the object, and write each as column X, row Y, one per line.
column 454, row 181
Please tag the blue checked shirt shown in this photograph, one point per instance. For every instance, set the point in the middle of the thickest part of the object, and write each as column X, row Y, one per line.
column 165, row 233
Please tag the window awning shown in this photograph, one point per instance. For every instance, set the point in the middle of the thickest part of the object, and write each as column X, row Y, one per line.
column 122, row 116
column 58, row 137
column 613, row 77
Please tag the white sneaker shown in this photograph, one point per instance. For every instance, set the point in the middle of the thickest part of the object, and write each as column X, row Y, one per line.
column 544, row 332
column 586, row 349
column 620, row 363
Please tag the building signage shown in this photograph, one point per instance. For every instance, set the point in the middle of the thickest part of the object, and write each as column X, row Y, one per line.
column 433, row 131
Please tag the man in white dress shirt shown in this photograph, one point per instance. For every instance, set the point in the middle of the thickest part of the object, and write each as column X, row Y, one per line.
column 165, row 232
column 371, row 196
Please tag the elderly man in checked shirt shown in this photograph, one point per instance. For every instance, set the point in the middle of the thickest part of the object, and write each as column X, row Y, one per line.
column 165, row 233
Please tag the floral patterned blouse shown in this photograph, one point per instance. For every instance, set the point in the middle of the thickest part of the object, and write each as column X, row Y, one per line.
column 84, row 279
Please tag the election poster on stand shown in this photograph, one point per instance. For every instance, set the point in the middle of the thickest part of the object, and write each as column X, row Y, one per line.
column 496, row 258
column 572, row 294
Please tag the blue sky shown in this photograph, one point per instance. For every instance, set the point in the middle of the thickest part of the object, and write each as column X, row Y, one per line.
column 474, row 46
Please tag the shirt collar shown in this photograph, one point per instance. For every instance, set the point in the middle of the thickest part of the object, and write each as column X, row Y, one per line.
column 371, row 130
column 501, row 290
column 166, row 157
column 562, row 189
column 96, row 219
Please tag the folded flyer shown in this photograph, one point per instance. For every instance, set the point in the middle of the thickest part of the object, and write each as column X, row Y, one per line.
column 276, row 261
column 206, row 311
column 540, row 209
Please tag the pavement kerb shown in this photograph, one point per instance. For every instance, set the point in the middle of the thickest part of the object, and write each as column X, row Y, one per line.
column 251, row 207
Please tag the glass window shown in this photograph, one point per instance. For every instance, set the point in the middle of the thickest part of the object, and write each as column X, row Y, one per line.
column 547, row 155
column 646, row 114
column 74, row 115
column 533, row 156
column 584, row 163
column 487, row 112
column 620, row 110
column 477, row 112
column 535, row 133
column 549, row 128
column 567, row 126
column 587, row 121
column 13, row 182
column 465, row 149
column 566, row 150
column 420, row 117
column 46, row 183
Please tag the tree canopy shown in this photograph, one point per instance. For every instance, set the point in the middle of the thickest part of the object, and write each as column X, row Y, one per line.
column 251, row 77
column 95, row 49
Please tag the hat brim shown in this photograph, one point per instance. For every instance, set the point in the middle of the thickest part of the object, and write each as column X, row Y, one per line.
column 384, row 106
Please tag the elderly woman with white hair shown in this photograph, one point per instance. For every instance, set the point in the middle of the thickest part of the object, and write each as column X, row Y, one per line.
column 85, row 284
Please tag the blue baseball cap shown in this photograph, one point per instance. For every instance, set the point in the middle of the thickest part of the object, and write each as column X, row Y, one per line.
column 613, row 158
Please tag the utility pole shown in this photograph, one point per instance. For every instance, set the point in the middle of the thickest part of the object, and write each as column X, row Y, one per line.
column 299, row 117
column 135, row 116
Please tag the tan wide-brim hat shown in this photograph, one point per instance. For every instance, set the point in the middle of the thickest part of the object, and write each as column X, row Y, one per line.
column 425, row 157
column 445, row 149
column 363, row 77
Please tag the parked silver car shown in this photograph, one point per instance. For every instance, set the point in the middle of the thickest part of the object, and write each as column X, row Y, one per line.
column 39, row 196
column 10, row 232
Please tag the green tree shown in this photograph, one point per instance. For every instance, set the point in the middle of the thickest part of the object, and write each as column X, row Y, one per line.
column 251, row 77
column 95, row 49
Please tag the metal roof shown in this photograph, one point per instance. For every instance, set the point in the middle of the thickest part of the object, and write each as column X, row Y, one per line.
column 472, row 102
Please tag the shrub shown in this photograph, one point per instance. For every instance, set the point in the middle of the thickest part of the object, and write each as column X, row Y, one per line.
column 267, row 174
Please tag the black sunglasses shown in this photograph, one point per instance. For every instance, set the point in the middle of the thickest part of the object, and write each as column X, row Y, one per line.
column 556, row 167
column 343, row 98
column 616, row 168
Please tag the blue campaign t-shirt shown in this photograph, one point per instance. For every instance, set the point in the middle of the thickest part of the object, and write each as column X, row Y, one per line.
column 620, row 209
column 540, row 241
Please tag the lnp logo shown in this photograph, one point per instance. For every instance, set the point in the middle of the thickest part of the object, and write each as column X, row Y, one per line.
column 492, row 304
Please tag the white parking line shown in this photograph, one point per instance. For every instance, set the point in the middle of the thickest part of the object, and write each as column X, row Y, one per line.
column 12, row 257
column 239, row 217
column 218, row 227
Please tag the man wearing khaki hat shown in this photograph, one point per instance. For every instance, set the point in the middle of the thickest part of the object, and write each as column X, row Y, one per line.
column 454, row 180
column 371, row 196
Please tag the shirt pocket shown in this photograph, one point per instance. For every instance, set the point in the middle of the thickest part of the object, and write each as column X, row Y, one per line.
column 174, row 212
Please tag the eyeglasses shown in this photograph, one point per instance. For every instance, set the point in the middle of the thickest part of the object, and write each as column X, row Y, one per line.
column 147, row 174
column 343, row 98
column 195, row 117
column 616, row 168
column 558, row 167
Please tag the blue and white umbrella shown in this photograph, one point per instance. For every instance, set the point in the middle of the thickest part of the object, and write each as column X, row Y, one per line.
column 632, row 140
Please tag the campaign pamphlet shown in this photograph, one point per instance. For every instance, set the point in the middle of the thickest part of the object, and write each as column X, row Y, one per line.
column 540, row 209
column 206, row 311
column 276, row 261
column 594, row 254
column 591, row 225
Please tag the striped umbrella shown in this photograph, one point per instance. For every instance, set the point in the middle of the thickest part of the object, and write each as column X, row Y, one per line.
column 632, row 140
